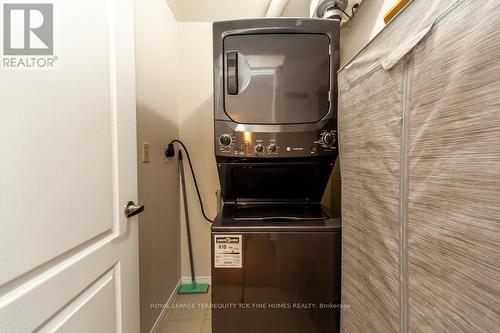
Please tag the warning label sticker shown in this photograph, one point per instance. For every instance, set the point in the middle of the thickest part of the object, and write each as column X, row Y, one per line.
column 228, row 251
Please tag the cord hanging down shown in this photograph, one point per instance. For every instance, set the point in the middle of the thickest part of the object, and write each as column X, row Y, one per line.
column 170, row 152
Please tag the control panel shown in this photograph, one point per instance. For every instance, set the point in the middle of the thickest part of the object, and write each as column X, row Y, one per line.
column 281, row 144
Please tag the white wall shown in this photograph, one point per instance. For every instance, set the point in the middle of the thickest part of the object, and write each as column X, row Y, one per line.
column 196, row 131
column 368, row 21
column 157, row 123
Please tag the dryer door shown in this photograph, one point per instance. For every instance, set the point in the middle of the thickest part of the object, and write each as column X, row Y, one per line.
column 276, row 78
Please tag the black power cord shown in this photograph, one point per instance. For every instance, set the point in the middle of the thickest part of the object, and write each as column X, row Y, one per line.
column 170, row 152
column 354, row 7
column 343, row 11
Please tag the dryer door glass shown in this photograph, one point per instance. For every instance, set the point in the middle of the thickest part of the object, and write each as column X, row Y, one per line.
column 276, row 78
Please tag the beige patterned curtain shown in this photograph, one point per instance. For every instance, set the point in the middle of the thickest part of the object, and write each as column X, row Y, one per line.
column 419, row 128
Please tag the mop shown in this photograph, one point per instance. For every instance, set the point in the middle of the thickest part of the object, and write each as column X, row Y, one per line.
column 193, row 287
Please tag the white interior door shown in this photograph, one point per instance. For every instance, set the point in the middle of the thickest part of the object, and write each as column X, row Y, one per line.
column 68, row 255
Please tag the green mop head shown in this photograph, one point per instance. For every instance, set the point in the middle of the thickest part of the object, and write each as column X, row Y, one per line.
column 193, row 288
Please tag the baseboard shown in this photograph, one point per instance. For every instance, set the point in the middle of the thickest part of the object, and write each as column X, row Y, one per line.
column 163, row 312
column 199, row 279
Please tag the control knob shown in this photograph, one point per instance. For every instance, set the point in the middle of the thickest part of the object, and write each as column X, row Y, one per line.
column 225, row 140
column 272, row 148
column 328, row 138
column 259, row 148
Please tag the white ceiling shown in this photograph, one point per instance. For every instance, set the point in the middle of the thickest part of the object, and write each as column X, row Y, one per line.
column 219, row 10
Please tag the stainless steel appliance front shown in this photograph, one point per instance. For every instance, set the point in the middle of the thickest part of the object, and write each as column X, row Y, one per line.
column 275, row 88
column 287, row 274
column 275, row 249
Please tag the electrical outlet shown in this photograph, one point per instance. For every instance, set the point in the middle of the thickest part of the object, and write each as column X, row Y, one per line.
column 163, row 151
column 146, row 152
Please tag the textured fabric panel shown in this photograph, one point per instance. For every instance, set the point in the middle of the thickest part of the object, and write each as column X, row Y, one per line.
column 415, row 18
column 454, row 175
column 369, row 138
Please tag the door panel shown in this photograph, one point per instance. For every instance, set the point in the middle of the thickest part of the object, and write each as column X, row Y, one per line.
column 276, row 78
column 49, row 152
column 56, row 286
column 69, row 132
column 89, row 312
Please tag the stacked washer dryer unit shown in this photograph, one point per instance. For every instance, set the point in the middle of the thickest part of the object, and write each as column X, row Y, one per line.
column 275, row 249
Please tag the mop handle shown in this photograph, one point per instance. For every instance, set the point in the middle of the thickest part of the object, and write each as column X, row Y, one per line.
column 186, row 215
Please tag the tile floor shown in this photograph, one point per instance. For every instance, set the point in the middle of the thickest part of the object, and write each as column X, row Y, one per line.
column 188, row 314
